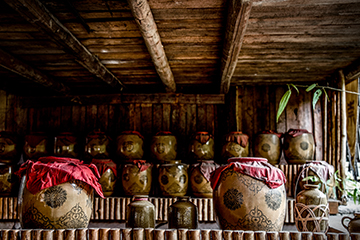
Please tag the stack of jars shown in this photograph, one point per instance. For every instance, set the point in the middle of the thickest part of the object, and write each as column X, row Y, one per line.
column 201, row 151
column 136, row 173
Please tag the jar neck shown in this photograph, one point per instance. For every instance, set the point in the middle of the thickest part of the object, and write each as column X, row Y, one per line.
column 141, row 198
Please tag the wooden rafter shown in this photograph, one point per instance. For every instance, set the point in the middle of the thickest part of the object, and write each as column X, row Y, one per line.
column 17, row 66
column 37, row 14
column 237, row 20
column 145, row 20
column 352, row 71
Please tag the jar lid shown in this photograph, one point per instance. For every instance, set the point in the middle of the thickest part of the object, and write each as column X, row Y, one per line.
column 141, row 198
column 311, row 186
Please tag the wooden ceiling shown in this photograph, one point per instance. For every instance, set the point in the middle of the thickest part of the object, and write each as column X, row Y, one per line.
column 91, row 47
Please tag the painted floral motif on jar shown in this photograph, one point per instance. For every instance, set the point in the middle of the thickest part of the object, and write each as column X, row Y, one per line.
column 267, row 144
column 163, row 146
column 299, row 146
column 173, row 179
column 136, row 177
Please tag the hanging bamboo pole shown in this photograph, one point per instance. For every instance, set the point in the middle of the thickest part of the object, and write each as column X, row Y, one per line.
column 343, row 128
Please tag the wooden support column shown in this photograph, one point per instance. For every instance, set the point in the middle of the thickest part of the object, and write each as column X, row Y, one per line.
column 36, row 13
column 238, row 16
column 145, row 20
column 342, row 159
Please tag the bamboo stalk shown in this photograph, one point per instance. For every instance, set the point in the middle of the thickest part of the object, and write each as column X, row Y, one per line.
column 81, row 234
column 306, row 236
column 106, row 208
column 149, row 233
column 126, row 234
column 260, row 235
column 319, row 236
column 205, row 209
column 11, row 208
column 182, row 233
column 93, row 234
column 249, row 235
column 5, row 234
column 272, row 235
column 295, row 235
column 26, row 234
column 115, row 233
column 284, row 235
column 343, row 124
column 14, row 235
column 194, row 234
column 355, row 236
column 112, row 208
column 238, row 235
column 344, row 236
column 123, row 208
column 35, row 234
column 5, row 208
column 332, row 236
column 227, row 234
column 70, row 234
column 138, row 234
column 216, row 235
column 104, row 233
column 159, row 234
column 59, row 234
column 15, row 208
column 171, row 234
column 101, row 208
column 200, row 210
column 205, row 234
column 118, row 209
column 96, row 208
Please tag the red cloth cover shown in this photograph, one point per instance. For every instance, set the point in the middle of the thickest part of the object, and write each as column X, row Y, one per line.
column 132, row 132
column 271, row 132
column 206, row 168
column 35, row 138
column 202, row 137
column 257, row 168
column 322, row 169
column 237, row 137
column 141, row 164
column 67, row 136
column 163, row 133
column 104, row 164
column 97, row 134
column 52, row 171
column 296, row 132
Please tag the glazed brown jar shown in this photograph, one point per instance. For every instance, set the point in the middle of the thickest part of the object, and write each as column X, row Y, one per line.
column 97, row 145
column 299, row 146
column 36, row 145
column 130, row 145
column 108, row 175
column 173, row 178
column 136, row 177
column 353, row 226
column 163, row 146
column 183, row 214
column 9, row 152
column 200, row 178
column 8, row 180
column 66, row 145
column 201, row 146
column 140, row 213
column 236, row 144
column 267, row 144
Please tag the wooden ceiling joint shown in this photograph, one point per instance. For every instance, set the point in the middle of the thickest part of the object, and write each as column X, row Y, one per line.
column 37, row 14
column 237, row 21
column 78, row 16
column 145, row 20
column 352, row 71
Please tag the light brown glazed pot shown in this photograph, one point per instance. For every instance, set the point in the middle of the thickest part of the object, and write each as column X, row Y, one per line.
column 268, row 146
column 8, row 180
column 353, row 226
column 235, row 144
column 140, row 213
column 108, row 172
column 173, row 179
column 9, row 152
column 66, row 145
column 136, row 178
column 298, row 149
column 64, row 206
column 200, row 178
column 183, row 214
column 201, row 146
column 163, row 146
column 130, row 145
column 311, row 210
column 97, row 145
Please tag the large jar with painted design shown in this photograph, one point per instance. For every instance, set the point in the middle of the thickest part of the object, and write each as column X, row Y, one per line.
column 249, row 194
column 9, row 147
column 97, row 145
column 140, row 213
column 236, row 144
column 201, row 146
column 299, row 146
column 129, row 145
column 8, row 180
column 57, row 193
column 200, row 178
column 173, row 178
column 311, row 210
column 183, row 214
column 66, row 145
column 136, row 177
column 36, row 145
column 163, row 146
column 267, row 144
column 108, row 175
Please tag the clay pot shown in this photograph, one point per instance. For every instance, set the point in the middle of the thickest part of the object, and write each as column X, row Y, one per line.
column 136, row 177
column 200, row 178
column 183, row 214
column 97, row 145
column 247, row 199
column 236, row 144
column 36, row 145
column 268, row 145
column 354, row 225
column 66, row 145
column 311, row 210
column 8, row 147
column 108, row 172
column 201, row 146
column 299, row 146
column 130, row 145
column 8, row 180
column 163, row 146
column 173, row 179
column 140, row 213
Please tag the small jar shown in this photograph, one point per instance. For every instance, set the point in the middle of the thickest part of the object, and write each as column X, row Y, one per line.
column 129, row 145
column 8, row 180
column 183, row 214
column 136, row 177
column 36, row 145
column 200, row 178
column 173, row 178
column 140, row 213
column 353, row 226
column 9, row 152
column 108, row 175
column 163, row 146
column 236, row 144
column 66, row 145
column 299, row 146
column 201, row 146
column 267, row 144
column 97, row 145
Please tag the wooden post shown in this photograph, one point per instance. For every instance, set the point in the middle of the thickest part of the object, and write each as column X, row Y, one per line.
column 81, row 234
column 319, row 236
column 343, row 129
column 238, row 235
column 93, row 234
column 194, row 234
column 126, row 233
column 171, row 234
column 159, row 234
column 25, row 234
column 260, row 235
column 182, row 233
column 205, row 234
column 249, row 235
column 115, row 233
column 284, row 235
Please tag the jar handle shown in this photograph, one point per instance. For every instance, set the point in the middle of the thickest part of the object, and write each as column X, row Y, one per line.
column 342, row 222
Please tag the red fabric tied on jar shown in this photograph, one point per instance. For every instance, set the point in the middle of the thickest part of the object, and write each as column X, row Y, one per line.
column 237, row 137
column 141, row 164
column 52, row 171
column 296, row 132
column 258, row 168
column 271, row 132
column 104, row 164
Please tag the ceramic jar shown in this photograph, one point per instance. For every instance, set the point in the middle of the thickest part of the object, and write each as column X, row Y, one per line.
column 236, row 144
column 267, row 144
column 66, row 145
column 129, row 145
column 36, row 145
column 299, row 146
column 354, row 225
column 163, row 146
column 108, row 175
column 245, row 198
column 140, row 213
column 200, row 178
column 136, row 177
column 183, row 214
column 97, row 145
column 201, row 146
column 173, row 178
column 9, row 152
column 8, row 180
column 311, row 210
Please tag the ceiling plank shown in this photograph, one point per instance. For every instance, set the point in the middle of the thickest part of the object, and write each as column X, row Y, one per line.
column 352, row 71
column 37, row 14
column 145, row 20
column 17, row 66
column 237, row 21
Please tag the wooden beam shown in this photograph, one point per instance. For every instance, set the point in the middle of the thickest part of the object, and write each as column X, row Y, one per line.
column 17, row 66
column 342, row 159
column 145, row 20
column 352, row 71
column 37, row 14
column 237, row 21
